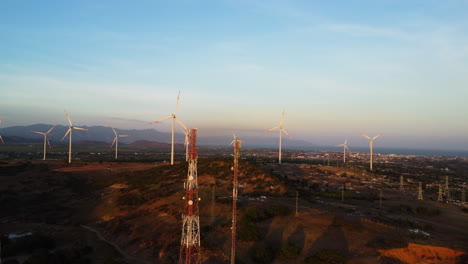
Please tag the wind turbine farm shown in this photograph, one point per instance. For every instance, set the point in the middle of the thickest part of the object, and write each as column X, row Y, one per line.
column 164, row 192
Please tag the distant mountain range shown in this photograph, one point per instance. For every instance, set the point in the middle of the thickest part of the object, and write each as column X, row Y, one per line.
column 143, row 137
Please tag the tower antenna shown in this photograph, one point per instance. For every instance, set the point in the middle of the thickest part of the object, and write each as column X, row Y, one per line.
column 190, row 241
column 447, row 190
column 237, row 145
column 420, row 192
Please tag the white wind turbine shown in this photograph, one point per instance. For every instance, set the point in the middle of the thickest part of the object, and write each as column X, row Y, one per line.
column 45, row 139
column 371, row 144
column 116, row 141
column 174, row 118
column 69, row 131
column 0, row 135
column 345, row 147
column 281, row 131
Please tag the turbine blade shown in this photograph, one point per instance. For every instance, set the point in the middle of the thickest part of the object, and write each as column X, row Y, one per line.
column 346, row 142
column 347, row 148
column 48, row 142
column 123, row 135
column 113, row 142
column 186, row 140
column 2, row 140
column 37, row 132
column 271, row 129
column 282, row 118
column 177, row 104
column 164, row 119
column 284, row 131
column 366, row 136
column 181, row 124
column 68, row 131
column 377, row 136
column 51, row 129
column 114, row 131
column 68, row 117
column 341, row 145
column 79, row 128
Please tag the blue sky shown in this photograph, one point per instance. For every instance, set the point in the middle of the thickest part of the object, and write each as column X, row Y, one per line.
column 337, row 67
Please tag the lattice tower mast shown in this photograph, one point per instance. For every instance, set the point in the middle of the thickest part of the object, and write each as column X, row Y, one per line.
column 190, row 241
column 237, row 145
column 447, row 190
column 440, row 198
column 420, row 192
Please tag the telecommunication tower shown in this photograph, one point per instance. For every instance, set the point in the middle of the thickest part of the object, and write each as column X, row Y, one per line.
column 237, row 145
column 420, row 192
column 297, row 203
column 190, row 242
column 401, row 183
column 463, row 196
column 447, row 190
column 440, row 198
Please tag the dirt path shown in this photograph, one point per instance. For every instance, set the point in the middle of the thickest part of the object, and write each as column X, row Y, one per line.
column 115, row 246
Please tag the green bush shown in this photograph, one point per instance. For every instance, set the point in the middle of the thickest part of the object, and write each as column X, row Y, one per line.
column 130, row 199
column 326, row 256
column 263, row 254
column 289, row 251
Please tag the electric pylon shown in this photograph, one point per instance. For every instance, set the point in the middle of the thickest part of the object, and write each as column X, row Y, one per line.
column 237, row 145
column 447, row 190
column 420, row 192
column 297, row 203
column 463, row 196
column 342, row 193
column 190, row 242
column 440, row 198
column 401, row 183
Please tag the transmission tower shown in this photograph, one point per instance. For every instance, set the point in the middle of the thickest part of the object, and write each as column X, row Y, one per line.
column 420, row 192
column 342, row 193
column 297, row 203
column 190, row 242
column 447, row 191
column 401, row 183
column 237, row 145
column 463, row 196
column 213, row 201
column 440, row 198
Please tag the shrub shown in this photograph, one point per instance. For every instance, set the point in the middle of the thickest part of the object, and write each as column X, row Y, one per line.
column 289, row 251
column 263, row 254
column 130, row 199
column 326, row 256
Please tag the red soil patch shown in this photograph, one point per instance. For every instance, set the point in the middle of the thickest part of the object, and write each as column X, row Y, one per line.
column 415, row 253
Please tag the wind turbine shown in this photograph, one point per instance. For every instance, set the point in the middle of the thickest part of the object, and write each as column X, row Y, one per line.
column 69, row 131
column 116, row 141
column 174, row 118
column 345, row 147
column 45, row 139
column 371, row 144
column 0, row 135
column 281, row 131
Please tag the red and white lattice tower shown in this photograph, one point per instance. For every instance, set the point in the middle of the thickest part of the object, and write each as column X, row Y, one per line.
column 237, row 145
column 190, row 242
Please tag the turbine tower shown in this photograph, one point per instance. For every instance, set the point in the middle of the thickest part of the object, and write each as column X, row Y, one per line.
column 116, row 141
column 281, row 131
column 174, row 119
column 69, row 131
column 371, row 144
column 447, row 190
column 1, row 139
column 190, row 241
column 440, row 198
column 345, row 147
column 237, row 145
column 45, row 139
